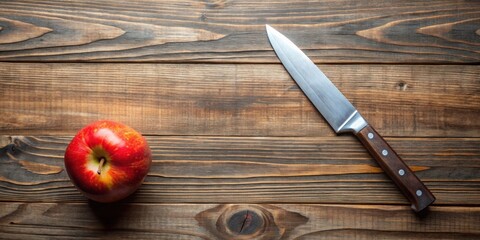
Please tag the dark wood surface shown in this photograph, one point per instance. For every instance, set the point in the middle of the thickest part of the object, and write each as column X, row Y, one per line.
column 234, row 31
column 238, row 150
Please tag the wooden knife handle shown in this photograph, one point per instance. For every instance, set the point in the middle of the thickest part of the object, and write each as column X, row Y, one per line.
column 415, row 191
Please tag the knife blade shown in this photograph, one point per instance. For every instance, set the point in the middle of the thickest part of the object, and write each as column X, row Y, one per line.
column 344, row 117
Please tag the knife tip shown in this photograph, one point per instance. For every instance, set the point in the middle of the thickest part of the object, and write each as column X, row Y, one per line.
column 268, row 28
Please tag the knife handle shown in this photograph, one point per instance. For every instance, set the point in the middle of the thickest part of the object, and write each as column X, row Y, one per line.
column 413, row 189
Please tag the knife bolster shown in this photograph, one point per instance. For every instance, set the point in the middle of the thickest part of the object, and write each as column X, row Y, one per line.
column 354, row 124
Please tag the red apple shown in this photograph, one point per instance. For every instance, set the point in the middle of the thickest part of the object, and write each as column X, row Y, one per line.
column 107, row 161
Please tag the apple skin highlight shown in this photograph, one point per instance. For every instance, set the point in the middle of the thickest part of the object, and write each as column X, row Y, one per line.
column 107, row 161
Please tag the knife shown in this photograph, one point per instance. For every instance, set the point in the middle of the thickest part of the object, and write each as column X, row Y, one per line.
column 344, row 117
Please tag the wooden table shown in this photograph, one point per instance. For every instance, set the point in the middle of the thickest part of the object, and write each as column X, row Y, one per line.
column 238, row 150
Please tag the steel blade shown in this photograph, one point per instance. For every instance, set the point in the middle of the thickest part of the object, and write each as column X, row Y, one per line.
column 330, row 102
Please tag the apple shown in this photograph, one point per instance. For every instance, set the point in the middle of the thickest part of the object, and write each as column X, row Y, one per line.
column 107, row 161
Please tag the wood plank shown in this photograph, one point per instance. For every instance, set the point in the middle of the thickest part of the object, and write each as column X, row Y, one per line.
column 255, row 169
column 210, row 221
column 234, row 99
column 222, row 31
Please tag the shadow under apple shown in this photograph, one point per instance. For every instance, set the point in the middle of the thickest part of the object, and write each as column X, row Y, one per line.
column 111, row 215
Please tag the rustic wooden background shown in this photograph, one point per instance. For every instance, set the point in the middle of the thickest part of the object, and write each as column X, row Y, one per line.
column 239, row 152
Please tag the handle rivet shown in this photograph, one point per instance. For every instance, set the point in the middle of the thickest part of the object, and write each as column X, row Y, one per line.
column 401, row 172
column 419, row 193
column 370, row 135
column 384, row 152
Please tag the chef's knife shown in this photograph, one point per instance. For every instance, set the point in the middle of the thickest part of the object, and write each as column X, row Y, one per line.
column 343, row 117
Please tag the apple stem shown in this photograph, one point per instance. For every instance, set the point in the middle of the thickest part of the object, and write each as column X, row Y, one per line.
column 102, row 162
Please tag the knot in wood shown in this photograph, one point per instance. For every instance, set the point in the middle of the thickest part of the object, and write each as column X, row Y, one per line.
column 250, row 221
column 245, row 222
column 402, row 86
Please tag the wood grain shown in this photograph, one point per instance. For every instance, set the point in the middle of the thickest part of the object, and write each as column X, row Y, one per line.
column 197, row 169
column 239, row 151
column 234, row 99
column 222, row 31
column 205, row 221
